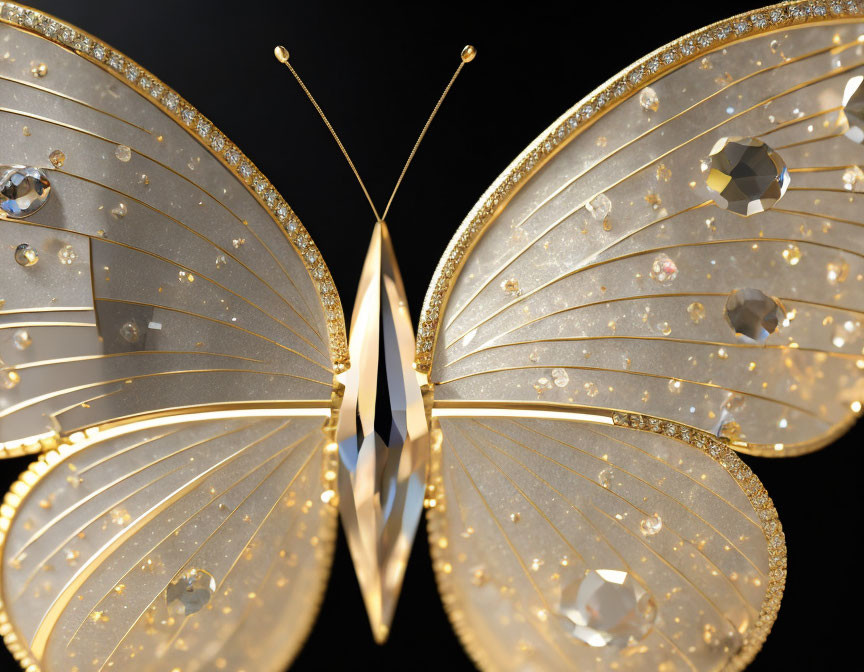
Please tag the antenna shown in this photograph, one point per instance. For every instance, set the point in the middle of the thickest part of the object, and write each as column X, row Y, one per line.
column 468, row 54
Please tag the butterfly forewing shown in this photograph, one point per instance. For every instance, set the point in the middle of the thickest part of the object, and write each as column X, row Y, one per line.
column 156, row 278
column 200, row 545
column 617, row 278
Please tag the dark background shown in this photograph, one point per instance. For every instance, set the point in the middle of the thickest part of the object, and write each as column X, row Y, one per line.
column 377, row 70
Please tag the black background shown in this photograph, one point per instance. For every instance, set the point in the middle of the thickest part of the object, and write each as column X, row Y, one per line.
column 377, row 71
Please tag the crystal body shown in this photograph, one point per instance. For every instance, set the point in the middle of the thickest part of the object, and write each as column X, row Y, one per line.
column 26, row 255
column 608, row 608
column 381, row 483
column 746, row 175
column 191, row 592
column 853, row 108
column 753, row 316
column 23, row 190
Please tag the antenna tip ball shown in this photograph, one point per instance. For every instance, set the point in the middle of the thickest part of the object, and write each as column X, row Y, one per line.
column 468, row 53
column 281, row 54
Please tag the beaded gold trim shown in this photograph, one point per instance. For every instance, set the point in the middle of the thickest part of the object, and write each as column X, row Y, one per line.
column 213, row 140
column 715, row 448
column 625, row 84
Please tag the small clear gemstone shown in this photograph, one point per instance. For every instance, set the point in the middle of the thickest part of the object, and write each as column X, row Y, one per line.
column 23, row 190
column 753, row 316
column 22, row 339
column 9, row 378
column 130, row 332
column 26, row 255
column 663, row 269
column 651, row 525
column 649, row 100
column 123, row 153
column 119, row 211
column 608, row 608
column 746, row 175
column 853, row 108
column 599, row 207
column 560, row 377
column 190, row 593
column 696, row 311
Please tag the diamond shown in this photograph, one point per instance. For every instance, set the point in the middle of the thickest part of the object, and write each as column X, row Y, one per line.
column 696, row 311
column 57, row 158
column 853, row 108
column 23, row 190
column 753, row 316
column 190, row 593
column 608, row 608
column 746, row 175
column 9, row 378
column 560, row 377
column 381, row 484
column 22, row 339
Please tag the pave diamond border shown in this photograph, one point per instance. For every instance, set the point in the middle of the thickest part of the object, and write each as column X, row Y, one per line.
column 627, row 83
column 716, row 449
column 211, row 138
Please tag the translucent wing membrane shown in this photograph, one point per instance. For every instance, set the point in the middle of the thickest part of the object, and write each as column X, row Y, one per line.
column 200, row 545
column 672, row 271
column 153, row 273
column 693, row 253
column 568, row 545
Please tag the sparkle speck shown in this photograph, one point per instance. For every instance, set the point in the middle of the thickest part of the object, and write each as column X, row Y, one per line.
column 696, row 311
column 651, row 525
column 648, row 99
column 39, row 70
column 67, row 255
column 792, row 254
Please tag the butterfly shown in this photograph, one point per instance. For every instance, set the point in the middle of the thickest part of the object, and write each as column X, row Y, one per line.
column 667, row 276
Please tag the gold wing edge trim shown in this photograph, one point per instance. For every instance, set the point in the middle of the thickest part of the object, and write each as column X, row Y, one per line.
column 583, row 114
column 715, row 448
column 143, row 82
column 47, row 461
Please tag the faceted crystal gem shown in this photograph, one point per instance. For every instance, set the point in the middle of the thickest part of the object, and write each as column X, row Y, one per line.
column 26, row 255
column 191, row 592
column 608, row 608
column 23, row 190
column 753, row 316
column 382, row 483
column 853, row 108
column 746, row 175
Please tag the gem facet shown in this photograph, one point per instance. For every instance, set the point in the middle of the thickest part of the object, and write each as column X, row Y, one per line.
column 191, row 592
column 853, row 108
column 753, row 316
column 746, row 175
column 608, row 608
column 23, row 190
column 600, row 207
column 381, row 484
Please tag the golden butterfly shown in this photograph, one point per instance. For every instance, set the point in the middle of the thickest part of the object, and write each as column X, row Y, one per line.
column 669, row 274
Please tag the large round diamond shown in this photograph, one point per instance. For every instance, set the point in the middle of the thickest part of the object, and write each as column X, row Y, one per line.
column 608, row 608
column 746, row 175
column 753, row 315
column 23, row 190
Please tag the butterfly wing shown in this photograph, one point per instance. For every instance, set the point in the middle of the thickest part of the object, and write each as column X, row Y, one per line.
column 198, row 545
column 607, row 273
column 168, row 272
column 172, row 330
column 592, row 329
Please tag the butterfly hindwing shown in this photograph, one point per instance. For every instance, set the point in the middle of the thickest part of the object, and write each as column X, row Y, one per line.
column 199, row 545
